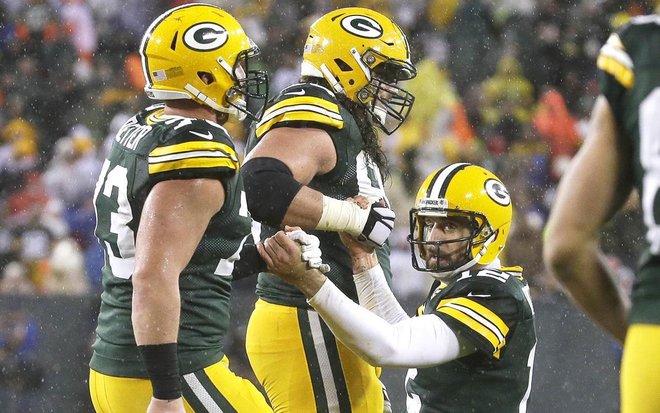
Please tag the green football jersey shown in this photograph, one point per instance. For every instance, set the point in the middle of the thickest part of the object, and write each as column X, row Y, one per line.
column 150, row 148
column 493, row 310
column 308, row 105
column 629, row 67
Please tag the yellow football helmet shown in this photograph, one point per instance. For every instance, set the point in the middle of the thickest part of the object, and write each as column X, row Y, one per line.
column 200, row 52
column 466, row 191
column 362, row 54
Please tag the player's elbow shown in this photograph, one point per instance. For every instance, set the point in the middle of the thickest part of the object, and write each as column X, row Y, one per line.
column 144, row 282
column 375, row 358
column 269, row 189
column 383, row 354
column 560, row 255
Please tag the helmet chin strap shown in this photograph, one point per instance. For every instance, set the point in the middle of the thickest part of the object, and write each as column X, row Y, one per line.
column 443, row 275
column 358, row 59
column 210, row 102
column 336, row 86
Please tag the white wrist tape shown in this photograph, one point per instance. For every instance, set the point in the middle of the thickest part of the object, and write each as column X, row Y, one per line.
column 342, row 216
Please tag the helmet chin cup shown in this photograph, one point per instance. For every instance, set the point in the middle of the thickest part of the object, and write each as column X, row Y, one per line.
column 380, row 115
column 239, row 109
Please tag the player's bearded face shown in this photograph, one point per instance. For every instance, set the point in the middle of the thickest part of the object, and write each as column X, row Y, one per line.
column 451, row 250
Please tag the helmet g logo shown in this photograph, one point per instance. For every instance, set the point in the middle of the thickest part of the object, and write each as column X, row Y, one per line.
column 205, row 36
column 497, row 192
column 362, row 26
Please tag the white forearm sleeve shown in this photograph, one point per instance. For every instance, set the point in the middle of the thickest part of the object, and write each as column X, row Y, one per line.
column 376, row 296
column 342, row 216
column 415, row 342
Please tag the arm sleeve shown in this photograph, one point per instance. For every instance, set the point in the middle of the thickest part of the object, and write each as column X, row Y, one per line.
column 375, row 295
column 414, row 342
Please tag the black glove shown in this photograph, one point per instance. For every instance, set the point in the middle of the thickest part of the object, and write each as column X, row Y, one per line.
column 249, row 264
column 378, row 227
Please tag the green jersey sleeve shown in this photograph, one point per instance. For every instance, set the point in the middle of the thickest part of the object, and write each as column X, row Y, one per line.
column 198, row 150
column 615, row 70
column 627, row 58
column 303, row 105
column 481, row 309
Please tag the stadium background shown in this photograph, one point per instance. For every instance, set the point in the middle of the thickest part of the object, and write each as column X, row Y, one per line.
column 506, row 84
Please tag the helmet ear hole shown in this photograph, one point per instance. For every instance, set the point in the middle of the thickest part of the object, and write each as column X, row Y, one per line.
column 206, row 77
column 343, row 66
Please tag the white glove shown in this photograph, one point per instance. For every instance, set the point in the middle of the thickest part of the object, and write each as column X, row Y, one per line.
column 311, row 252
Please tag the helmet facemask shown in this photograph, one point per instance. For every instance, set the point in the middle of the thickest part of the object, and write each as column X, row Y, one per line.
column 251, row 85
column 388, row 103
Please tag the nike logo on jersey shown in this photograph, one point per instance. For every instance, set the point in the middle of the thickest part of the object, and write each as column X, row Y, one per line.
column 478, row 295
column 208, row 135
column 298, row 93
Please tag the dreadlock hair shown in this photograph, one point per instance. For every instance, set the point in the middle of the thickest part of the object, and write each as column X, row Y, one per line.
column 372, row 147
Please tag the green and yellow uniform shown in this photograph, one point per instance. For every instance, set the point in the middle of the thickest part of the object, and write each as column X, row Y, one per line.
column 294, row 354
column 491, row 308
column 629, row 68
column 150, row 148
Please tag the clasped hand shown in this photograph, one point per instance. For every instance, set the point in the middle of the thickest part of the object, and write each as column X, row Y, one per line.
column 296, row 262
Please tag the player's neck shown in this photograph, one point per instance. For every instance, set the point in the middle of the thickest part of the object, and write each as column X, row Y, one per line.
column 189, row 109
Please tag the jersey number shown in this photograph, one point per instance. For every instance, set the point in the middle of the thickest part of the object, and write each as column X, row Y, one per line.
column 649, row 153
column 111, row 195
column 118, row 239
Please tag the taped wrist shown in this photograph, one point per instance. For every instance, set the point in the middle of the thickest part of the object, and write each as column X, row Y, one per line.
column 269, row 189
column 162, row 364
column 342, row 216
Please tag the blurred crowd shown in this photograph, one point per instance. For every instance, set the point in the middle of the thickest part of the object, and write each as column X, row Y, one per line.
column 507, row 84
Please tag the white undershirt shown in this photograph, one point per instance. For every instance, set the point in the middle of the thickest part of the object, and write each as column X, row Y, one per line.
column 384, row 336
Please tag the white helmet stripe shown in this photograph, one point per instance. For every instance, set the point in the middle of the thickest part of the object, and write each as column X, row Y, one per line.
column 434, row 191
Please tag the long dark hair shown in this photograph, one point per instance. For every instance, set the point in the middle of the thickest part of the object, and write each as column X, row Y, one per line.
column 372, row 146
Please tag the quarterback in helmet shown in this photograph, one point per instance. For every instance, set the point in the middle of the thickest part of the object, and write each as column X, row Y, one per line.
column 171, row 221
column 315, row 146
column 470, row 348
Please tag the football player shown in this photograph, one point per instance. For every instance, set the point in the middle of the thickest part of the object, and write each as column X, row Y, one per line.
column 471, row 346
column 620, row 154
column 171, row 218
column 314, row 147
